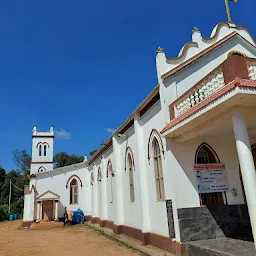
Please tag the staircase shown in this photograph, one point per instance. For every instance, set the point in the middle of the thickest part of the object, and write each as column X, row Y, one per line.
column 220, row 247
column 46, row 224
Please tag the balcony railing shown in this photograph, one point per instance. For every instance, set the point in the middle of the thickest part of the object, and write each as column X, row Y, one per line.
column 252, row 70
column 200, row 93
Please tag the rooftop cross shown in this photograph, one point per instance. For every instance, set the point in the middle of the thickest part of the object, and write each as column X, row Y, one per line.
column 228, row 10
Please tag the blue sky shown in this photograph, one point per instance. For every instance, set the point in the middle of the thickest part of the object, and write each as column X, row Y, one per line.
column 83, row 66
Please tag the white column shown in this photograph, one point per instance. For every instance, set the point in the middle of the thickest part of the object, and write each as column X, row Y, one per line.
column 119, row 181
column 38, row 215
column 247, row 166
column 56, row 210
column 104, row 201
column 41, row 210
column 142, row 149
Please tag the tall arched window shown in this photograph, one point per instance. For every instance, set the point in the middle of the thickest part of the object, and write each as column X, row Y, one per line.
column 40, row 150
column 206, row 155
column 159, row 179
column 44, row 150
column 99, row 177
column 131, row 181
column 73, row 192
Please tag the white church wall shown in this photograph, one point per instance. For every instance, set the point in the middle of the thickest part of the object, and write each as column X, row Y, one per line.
column 182, row 157
column 56, row 182
column 110, row 181
column 43, row 141
column 132, row 210
column 154, row 119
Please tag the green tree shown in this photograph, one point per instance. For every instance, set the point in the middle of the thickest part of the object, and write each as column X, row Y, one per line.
column 93, row 152
column 2, row 177
column 63, row 159
column 22, row 160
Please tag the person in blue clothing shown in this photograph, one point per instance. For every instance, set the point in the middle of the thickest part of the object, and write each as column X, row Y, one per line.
column 65, row 215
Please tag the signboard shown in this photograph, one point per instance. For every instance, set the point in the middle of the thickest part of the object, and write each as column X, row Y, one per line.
column 211, row 178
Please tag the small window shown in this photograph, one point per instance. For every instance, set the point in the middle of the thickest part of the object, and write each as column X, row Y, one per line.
column 159, row 179
column 40, row 150
column 131, row 180
column 45, row 150
column 73, row 192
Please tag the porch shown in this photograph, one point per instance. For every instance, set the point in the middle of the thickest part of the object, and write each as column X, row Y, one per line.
column 47, row 206
column 217, row 115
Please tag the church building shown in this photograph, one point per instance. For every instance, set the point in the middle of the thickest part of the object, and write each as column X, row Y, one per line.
column 181, row 167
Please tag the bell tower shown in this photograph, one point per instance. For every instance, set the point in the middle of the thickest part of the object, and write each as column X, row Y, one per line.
column 42, row 151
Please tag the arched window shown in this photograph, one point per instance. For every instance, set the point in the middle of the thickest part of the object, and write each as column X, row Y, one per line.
column 40, row 150
column 159, row 179
column 44, row 150
column 131, row 181
column 92, row 178
column 74, row 192
column 99, row 177
column 41, row 169
column 206, row 155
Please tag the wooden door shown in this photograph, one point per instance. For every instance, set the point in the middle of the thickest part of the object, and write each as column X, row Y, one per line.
column 48, row 210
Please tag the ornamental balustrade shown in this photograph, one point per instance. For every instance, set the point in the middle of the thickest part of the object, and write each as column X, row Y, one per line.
column 252, row 71
column 200, row 93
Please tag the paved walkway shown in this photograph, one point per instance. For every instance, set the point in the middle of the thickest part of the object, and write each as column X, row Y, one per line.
column 134, row 243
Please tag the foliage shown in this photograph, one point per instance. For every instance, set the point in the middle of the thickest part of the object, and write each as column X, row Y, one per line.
column 63, row 159
column 93, row 152
column 3, row 212
column 22, row 160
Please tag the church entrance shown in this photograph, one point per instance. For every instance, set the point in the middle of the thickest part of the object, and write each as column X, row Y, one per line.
column 47, row 213
column 206, row 155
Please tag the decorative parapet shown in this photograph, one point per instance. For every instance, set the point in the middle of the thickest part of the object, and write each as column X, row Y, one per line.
column 200, row 93
column 252, row 70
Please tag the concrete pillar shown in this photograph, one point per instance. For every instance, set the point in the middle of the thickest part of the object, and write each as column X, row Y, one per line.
column 41, row 210
column 56, row 218
column 119, row 181
column 141, row 149
column 104, row 201
column 38, row 211
column 247, row 166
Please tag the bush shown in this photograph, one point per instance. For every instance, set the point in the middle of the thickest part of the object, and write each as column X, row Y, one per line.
column 4, row 212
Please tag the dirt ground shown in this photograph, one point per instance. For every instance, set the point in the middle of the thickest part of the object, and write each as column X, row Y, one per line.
column 64, row 241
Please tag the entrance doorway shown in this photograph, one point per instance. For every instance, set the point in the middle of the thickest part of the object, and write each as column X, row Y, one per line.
column 206, row 155
column 47, row 213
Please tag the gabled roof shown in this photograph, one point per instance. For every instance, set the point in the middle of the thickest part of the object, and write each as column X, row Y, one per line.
column 48, row 195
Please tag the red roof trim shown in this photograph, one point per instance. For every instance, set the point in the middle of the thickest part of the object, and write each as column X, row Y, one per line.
column 237, row 82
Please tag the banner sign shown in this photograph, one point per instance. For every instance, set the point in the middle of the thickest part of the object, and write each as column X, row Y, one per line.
column 211, row 178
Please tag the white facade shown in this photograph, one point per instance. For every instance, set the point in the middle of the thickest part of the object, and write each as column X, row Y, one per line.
column 104, row 183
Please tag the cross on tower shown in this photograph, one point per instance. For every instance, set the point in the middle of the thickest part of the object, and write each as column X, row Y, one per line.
column 228, row 10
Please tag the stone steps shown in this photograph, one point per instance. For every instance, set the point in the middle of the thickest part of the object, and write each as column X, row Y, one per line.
column 46, row 224
column 220, row 247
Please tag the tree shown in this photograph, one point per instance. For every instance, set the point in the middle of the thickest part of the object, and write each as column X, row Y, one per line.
column 63, row 159
column 93, row 152
column 2, row 177
column 22, row 160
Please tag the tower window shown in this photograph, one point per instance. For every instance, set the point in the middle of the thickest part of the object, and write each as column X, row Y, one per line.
column 40, row 150
column 44, row 150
